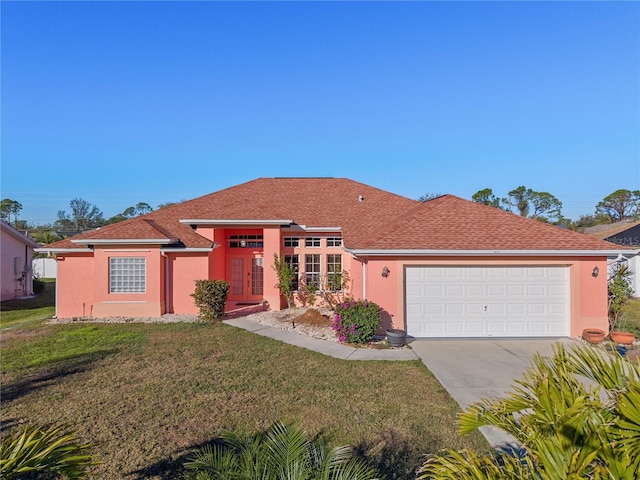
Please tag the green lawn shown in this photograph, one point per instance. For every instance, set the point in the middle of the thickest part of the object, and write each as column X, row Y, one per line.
column 630, row 318
column 19, row 312
column 147, row 395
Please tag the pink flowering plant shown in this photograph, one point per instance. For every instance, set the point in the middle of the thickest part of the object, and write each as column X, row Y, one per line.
column 356, row 321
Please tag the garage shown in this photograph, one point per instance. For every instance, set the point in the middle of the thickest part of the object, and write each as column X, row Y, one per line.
column 487, row 301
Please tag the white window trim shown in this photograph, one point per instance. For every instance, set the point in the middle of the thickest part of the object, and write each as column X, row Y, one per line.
column 127, row 275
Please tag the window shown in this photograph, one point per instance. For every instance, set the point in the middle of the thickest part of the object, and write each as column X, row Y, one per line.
column 312, row 242
column 245, row 241
column 127, row 275
column 312, row 271
column 291, row 242
column 334, row 241
column 334, row 272
column 295, row 263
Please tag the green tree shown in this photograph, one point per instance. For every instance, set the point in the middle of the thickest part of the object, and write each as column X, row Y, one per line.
column 46, row 237
column 428, row 196
column 620, row 204
column 544, row 206
column 283, row 452
column 8, row 208
column 83, row 216
column 620, row 292
column 519, row 199
column 486, row 197
column 286, row 274
column 568, row 428
column 141, row 208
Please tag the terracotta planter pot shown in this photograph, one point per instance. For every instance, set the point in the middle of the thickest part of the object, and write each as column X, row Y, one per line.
column 593, row 335
column 623, row 338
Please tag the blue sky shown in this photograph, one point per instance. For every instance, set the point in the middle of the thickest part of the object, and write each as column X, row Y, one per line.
column 126, row 102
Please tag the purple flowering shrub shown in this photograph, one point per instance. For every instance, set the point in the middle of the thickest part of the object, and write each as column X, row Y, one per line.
column 356, row 321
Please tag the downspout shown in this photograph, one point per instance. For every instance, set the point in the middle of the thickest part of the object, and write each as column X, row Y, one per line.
column 166, row 281
column 364, row 278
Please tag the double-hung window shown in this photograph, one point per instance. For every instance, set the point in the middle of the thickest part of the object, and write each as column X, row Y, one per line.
column 127, row 275
column 334, row 272
column 312, row 271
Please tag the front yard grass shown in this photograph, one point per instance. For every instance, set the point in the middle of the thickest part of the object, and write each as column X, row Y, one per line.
column 148, row 395
column 630, row 317
column 23, row 311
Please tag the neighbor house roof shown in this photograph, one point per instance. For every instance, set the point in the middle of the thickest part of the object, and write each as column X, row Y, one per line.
column 611, row 229
column 369, row 219
column 21, row 237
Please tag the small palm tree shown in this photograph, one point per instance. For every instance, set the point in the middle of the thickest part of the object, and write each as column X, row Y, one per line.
column 39, row 451
column 569, row 428
column 283, row 452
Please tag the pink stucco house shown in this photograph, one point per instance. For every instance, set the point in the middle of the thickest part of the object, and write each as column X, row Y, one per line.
column 444, row 268
column 17, row 252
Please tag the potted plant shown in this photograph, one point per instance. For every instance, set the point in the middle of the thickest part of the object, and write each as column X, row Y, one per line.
column 593, row 335
column 620, row 292
column 396, row 337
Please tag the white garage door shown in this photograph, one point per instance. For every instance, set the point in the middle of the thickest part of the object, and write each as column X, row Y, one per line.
column 487, row 301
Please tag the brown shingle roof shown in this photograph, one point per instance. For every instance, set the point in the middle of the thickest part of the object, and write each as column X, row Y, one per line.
column 451, row 223
column 381, row 220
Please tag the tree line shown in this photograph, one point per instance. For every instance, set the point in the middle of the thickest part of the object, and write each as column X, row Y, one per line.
column 543, row 206
column 81, row 216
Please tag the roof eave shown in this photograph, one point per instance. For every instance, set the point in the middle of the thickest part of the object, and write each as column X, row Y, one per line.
column 63, row 250
column 236, row 222
column 487, row 253
column 125, row 241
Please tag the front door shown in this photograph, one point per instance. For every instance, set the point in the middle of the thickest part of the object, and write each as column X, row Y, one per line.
column 245, row 278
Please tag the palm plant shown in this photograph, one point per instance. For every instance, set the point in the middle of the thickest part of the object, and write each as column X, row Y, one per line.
column 568, row 427
column 38, row 450
column 283, row 452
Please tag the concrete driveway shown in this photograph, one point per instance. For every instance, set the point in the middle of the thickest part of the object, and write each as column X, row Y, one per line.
column 471, row 369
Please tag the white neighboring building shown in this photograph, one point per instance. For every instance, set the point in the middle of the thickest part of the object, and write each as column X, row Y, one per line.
column 16, row 251
column 626, row 234
column 45, row 267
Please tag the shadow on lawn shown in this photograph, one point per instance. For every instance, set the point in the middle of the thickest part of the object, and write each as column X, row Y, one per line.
column 393, row 456
column 31, row 383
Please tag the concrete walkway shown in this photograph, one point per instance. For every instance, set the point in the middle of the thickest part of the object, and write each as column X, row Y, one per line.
column 326, row 347
column 469, row 369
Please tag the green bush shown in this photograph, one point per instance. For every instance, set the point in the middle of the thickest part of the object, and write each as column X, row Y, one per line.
column 40, row 451
column 38, row 286
column 210, row 297
column 356, row 321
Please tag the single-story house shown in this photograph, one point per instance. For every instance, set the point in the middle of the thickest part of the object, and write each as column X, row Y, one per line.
column 447, row 267
column 16, row 250
column 626, row 234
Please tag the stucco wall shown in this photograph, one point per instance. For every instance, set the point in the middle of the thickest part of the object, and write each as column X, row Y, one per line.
column 184, row 270
column 150, row 303
column 74, row 286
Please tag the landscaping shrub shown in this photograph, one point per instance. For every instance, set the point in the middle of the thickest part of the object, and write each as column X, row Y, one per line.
column 38, row 286
column 210, row 297
column 283, row 452
column 356, row 321
column 37, row 451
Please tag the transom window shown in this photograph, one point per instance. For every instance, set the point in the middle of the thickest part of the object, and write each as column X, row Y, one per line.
column 295, row 263
column 334, row 272
column 312, row 242
column 312, row 271
column 245, row 241
column 334, row 241
column 127, row 275
column 291, row 242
